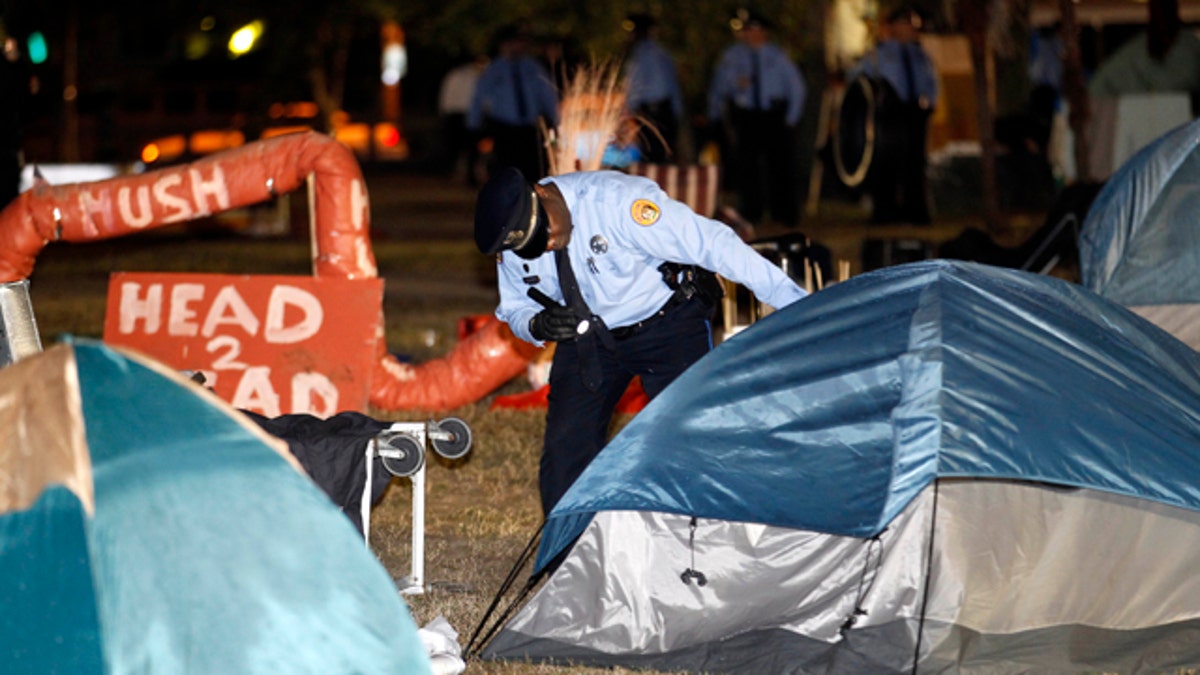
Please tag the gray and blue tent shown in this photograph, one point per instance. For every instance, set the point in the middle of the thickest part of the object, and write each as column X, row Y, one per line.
column 147, row 527
column 936, row 467
column 1140, row 243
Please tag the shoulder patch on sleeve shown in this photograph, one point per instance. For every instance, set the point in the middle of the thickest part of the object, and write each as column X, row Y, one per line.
column 645, row 212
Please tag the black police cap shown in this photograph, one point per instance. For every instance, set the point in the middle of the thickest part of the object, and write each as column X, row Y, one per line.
column 639, row 22
column 905, row 14
column 747, row 18
column 509, row 216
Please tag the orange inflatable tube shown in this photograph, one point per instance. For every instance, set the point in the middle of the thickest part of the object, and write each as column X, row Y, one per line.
column 255, row 173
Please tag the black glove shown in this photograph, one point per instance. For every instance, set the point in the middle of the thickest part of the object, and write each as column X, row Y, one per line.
column 556, row 324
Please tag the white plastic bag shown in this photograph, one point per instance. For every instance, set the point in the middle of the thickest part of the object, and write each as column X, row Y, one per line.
column 441, row 643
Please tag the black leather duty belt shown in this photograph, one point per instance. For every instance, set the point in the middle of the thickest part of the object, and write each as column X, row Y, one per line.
column 632, row 329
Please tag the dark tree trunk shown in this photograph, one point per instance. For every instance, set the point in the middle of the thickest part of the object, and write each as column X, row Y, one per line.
column 973, row 17
column 1074, row 88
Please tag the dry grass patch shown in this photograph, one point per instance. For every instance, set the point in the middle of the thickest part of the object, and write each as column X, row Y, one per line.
column 480, row 511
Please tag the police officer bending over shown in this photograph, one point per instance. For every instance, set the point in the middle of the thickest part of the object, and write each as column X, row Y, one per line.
column 594, row 261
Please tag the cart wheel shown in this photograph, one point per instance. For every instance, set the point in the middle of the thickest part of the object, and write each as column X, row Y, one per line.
column 401, row 454
column 459, row 441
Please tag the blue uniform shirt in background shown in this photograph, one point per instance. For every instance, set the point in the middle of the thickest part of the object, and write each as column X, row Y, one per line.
column 652, row 77
column 496, row 94
column 624, row 228
column 887, row 62
column 779, row 80
column 1046, row 60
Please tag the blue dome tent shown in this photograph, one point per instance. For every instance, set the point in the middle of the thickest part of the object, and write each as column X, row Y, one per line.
column 925, row 468
column 1140, row 243
column 147, row 527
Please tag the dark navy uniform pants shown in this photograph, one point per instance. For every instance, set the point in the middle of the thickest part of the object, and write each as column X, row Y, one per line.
column 578, row 419
column 764, row 158
column 898, row 190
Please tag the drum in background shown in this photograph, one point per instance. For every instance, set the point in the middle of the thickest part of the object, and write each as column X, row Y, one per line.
column 868, row 130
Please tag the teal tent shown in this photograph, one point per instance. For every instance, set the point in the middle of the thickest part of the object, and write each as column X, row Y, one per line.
column 1140, row 243
column 935, row 467
column 147, row 527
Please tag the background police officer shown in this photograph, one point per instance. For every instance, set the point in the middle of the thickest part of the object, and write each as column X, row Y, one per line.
column 514, row 93
column 652, row 89
column 898, row 188
column 758, row 89
column 616, row 231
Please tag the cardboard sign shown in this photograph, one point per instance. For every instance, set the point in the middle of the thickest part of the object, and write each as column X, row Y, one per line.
column 271, row 344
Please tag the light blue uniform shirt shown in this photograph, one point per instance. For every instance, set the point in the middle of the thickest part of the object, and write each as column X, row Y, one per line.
column 652, row 77
column 887, row 61
column 625, row 227
column 496, row 94
column 1046, row 60
column 779, row 80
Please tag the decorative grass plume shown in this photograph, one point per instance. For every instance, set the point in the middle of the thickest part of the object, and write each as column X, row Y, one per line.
column 591, row 116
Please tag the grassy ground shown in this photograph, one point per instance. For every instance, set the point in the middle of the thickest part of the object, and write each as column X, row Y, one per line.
column 480, row 511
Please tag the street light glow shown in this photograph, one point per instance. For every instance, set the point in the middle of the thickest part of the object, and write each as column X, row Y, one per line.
column 245, row 38
column 37, row 47
column 395, row 64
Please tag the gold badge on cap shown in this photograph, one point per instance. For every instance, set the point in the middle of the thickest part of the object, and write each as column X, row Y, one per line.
column 646, row 212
